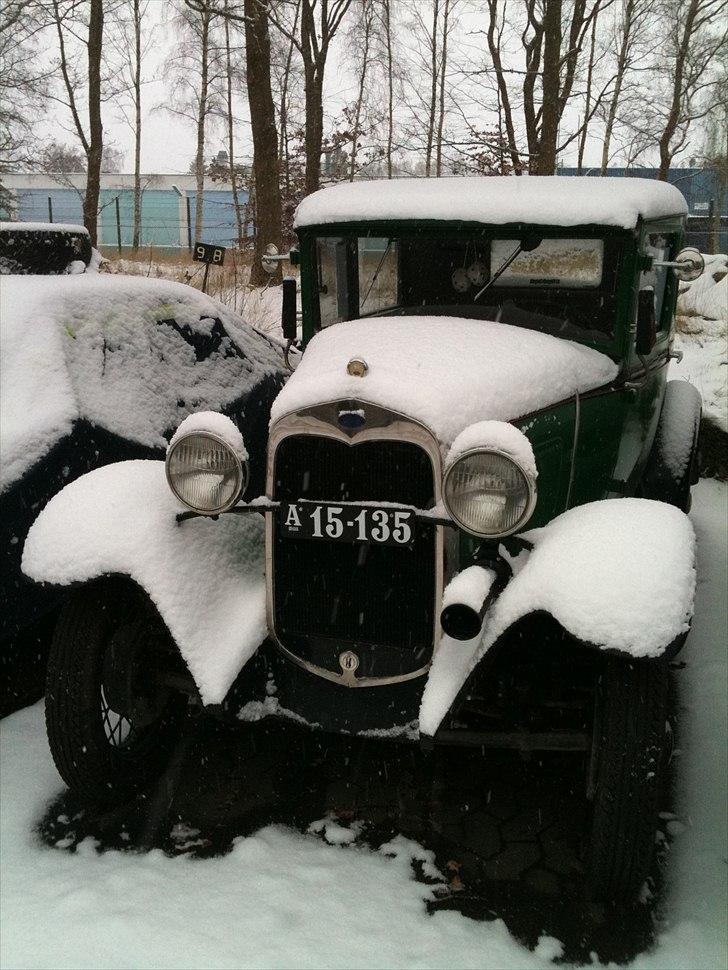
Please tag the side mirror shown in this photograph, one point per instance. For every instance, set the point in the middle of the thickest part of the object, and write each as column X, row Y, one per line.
column 646, row 322
column 269, row 261
column 688, row 264
column 289, row 321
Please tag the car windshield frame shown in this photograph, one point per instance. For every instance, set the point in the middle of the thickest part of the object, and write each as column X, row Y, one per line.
column 593, row 299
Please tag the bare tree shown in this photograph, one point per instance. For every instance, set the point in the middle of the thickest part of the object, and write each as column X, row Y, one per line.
column 265, row 136
column 362, row 38
column 320, row 21
column 83, row 22
column 230, row 119
column 387, row 25
column 696, row 34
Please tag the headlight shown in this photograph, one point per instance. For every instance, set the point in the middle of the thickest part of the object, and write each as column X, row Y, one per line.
column 488, row 494
column 205, row 473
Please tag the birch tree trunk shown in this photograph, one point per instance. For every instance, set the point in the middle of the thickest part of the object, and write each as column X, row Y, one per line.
column 433, row 91
column 443, row 69
column 622, row 58
column 390, row 85
column 201, row 119
column 137, row 230
column 231, row 133
column 367, row 24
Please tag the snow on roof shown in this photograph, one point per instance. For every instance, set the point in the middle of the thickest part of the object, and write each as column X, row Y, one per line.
column 446, row 372
column 95, row 347
column 619, row 574
column 497, row 200
column 43, row 227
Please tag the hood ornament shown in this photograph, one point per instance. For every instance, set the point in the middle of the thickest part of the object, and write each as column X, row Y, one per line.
column 357, row 367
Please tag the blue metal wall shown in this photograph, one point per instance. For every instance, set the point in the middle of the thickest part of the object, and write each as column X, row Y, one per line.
column 163, row 214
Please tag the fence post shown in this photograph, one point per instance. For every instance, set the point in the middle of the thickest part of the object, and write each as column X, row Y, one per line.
column 118, row 224
column 189, row 224
column 50, row 209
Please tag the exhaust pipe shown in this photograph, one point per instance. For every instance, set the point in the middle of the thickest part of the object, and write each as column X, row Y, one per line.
column 469, row 596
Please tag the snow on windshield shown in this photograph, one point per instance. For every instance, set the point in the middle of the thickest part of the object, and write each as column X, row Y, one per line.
column 134, row 356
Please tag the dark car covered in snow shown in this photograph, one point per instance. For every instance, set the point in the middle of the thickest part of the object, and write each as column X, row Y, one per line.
column 98, row 368
column 472, row 529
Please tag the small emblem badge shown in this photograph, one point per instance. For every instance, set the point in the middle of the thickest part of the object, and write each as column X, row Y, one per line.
column 357, row 367
column 348, row 661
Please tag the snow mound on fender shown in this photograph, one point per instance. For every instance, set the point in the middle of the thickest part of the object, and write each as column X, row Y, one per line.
column 128, row 354
column 618, row 574
column 497, row 435
column 446, row 372
column 206, row 578
column 214, row 423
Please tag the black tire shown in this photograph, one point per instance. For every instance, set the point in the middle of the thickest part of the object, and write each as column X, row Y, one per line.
column 630, row 755
column 102, row 754
column 673, row 465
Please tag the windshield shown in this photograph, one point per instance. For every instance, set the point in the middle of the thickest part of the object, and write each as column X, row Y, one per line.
column 556, row 284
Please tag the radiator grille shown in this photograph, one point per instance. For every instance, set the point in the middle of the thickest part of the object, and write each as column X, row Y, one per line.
column 331, row 596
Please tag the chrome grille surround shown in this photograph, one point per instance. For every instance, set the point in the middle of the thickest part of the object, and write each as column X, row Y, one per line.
column 381, row 425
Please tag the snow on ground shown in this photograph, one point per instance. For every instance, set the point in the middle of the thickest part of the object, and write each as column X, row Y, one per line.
column 284, row 899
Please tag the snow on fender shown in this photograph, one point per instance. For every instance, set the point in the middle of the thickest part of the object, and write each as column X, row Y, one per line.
column 206, row 578
column 618, row 574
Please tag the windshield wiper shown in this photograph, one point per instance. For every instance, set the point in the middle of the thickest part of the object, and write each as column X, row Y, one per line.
column 526, row 245
column 376, row 274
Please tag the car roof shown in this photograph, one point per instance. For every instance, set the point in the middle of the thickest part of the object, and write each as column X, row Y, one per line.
column 495, row 200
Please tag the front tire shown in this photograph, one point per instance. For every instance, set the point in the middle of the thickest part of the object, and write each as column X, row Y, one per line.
column 629, row 756
column 110, row 725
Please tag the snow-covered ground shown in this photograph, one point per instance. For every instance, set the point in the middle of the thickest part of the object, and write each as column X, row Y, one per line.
column 286, row 899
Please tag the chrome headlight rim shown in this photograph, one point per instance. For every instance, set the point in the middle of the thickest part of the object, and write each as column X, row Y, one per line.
column 241, row 468
column 527, row 476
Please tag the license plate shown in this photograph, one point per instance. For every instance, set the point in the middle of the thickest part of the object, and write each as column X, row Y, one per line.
column 347, row 523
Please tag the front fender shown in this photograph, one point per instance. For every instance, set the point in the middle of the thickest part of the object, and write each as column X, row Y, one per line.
column 617, row 574
column 205, row 577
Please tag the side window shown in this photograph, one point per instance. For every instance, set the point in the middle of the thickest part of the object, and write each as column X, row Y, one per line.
column 332, row 280
column 660, row 246
column 378, row 271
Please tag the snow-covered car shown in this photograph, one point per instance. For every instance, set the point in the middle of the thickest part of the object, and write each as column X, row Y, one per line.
column 98, row 368
column 473, row 526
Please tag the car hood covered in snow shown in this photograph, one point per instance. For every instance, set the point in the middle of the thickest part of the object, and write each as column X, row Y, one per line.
column 445, row 372
column 128, row 354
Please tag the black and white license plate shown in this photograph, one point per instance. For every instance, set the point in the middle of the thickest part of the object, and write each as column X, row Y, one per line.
column 347, row 523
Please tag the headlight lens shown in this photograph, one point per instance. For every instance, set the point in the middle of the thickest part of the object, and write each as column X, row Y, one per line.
column 205, row 473
column 488, row 494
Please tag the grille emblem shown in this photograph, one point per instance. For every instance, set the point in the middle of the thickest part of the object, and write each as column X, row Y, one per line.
column 357, row 367
column 348, row 661
column 352, row 420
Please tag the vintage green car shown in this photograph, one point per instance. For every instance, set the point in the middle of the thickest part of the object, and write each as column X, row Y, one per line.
column 473, row 530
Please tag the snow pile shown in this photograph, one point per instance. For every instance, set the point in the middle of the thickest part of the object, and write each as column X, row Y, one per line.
column 703, row 337
column 205, row 577
column 619, row 574
column 707, row 296
column 214, row 423
column 497, row 436
column 496, row 200
column 134, row 356
column 446, row 372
